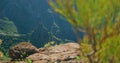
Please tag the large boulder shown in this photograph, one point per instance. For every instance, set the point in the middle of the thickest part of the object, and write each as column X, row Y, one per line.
column 22, row 50
column 64, row 53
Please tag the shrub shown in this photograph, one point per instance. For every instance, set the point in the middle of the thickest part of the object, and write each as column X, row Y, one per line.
column 99, row 20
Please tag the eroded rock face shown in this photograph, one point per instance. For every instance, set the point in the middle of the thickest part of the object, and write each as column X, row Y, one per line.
column 22, row 50
column 64, row 53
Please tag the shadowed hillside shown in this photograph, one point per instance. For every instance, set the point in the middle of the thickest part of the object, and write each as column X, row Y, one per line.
column 27, row 16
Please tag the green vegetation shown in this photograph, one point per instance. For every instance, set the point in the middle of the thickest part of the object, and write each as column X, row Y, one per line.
column 99, row 20
column 3, row 57
column 77, row 58
column 54, row 31
column 7, row 27
column 29, row 61
column 49, row 44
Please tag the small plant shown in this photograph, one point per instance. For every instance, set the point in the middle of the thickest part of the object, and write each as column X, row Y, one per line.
column 23, row 55
column 77, row 58
column 49, row 44
column 29, row 61
column 16, row 61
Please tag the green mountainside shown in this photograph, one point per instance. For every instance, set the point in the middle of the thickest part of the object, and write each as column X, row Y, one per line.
column 7, row 27
column 31, row 20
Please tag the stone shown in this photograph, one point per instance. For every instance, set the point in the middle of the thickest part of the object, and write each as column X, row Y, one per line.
column 22, row 50
column 63, row 53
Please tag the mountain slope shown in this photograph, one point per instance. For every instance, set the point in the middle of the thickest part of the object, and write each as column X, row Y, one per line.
column 27, row 15
column 7, row 27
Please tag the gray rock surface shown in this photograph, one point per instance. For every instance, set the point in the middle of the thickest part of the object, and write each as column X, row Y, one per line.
column 64, row 53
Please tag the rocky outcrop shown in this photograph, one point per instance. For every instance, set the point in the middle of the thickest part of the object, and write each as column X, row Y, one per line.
column 64, row 53
column 22, row 50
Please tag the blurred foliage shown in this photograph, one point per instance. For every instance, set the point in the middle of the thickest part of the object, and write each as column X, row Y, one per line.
column 99, row 20
column 1, row 54
column 111, row 50
column 0, row 41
